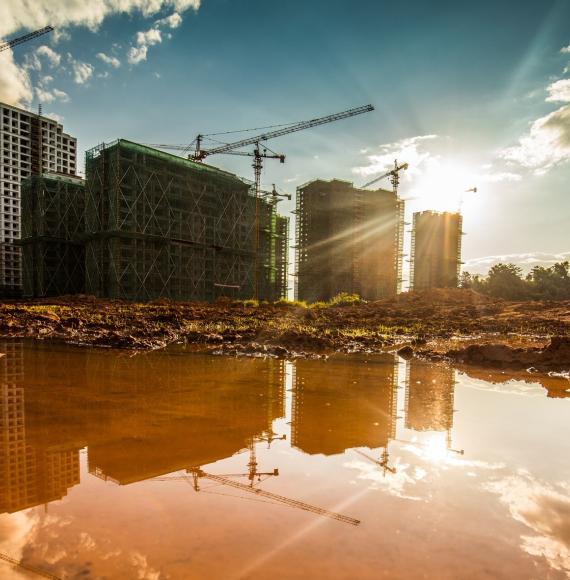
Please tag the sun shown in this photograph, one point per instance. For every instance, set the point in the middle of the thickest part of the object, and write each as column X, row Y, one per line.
column 443, row 186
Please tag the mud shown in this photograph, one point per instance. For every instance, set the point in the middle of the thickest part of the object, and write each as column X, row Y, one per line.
column 429, row 323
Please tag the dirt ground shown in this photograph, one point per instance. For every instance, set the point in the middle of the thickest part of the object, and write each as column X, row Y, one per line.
column 435, row 322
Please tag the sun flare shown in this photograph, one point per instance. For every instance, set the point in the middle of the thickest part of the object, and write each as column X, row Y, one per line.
column 443, row 187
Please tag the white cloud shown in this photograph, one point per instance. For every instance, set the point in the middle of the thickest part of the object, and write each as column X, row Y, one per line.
column 16, row 15
column 172, row 21
column 565, row 49
column 410, row 150
column 15, row 85
column 559, row 91
column 82, row 71
column 500, row 176
column 544, row 510
column 49, row 95
column 149, row 38
column 55, row 117
column 59, row 35
column 110, row 60
column 137, row 54
column 103, row 75
column 546, row 145
column 52, row 57
column 145, row 39
column 526, row 260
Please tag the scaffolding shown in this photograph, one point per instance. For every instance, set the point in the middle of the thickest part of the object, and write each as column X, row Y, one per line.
column 436, row 250
column 347, row 240
column 52, row 220
column 158, row 225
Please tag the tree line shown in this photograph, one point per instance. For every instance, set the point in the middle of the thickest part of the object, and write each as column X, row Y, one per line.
column 507, row 281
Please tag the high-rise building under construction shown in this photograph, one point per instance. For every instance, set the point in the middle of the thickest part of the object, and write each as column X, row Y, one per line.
column 436, row 250
column 347, row 240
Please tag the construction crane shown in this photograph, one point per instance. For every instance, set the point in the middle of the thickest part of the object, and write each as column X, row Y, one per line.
column 420, row 444
column 383, row 462
column 21, row 39
column 393, row 174
column 275, row 196
column 261, row 152
column 470, row 190
column 254, row 476
column 197, row 473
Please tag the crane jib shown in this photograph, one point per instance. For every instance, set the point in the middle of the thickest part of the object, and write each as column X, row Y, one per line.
column 15, row 41
column 290, row 129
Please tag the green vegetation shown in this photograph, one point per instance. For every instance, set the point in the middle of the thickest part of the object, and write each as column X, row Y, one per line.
column 506, row 281
column 342, row 299
column 345, row 299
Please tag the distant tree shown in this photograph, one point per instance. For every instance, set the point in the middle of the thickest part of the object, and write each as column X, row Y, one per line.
column 550, row 283
column 505, row 281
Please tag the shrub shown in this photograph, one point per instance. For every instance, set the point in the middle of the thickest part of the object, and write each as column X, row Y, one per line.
column 345, row 299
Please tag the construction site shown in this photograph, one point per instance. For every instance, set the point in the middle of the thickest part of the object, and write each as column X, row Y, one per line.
column 146, row 224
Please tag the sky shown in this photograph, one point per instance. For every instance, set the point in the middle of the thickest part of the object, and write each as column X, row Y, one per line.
column 470, row 94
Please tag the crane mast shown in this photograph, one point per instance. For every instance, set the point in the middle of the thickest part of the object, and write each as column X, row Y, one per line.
column 393, row 174
column 30, row 36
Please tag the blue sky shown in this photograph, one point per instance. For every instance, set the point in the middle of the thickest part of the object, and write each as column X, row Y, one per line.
column 456, row 86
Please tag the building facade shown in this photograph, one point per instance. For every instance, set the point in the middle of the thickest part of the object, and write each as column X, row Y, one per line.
column 436, row 250
column 347, row 240
column 30, row 144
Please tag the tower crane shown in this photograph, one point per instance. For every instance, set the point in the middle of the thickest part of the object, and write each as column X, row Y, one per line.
column 198, row 473
column 194, row 474
column 470, row 190
column 393, row 174
column 383, row 462
column 30, row 36
column 261, row 152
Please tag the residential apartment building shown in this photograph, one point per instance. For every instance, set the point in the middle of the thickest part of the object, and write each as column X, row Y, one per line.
column 30, row 144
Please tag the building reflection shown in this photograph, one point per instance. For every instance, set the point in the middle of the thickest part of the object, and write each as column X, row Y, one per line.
column 157, row 413
column 181, row 415
column 339, row 406
column 139, row 417
column 430, row 392
column 34, row 468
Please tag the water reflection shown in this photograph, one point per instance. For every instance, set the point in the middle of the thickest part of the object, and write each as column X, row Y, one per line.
column 320, row 437
column 36, row 466
column 139, row 416
column 345, row 407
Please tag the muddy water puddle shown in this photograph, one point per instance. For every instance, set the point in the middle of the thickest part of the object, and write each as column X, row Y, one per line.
column 178, row 465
